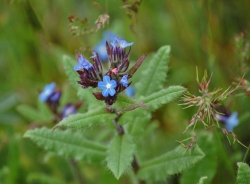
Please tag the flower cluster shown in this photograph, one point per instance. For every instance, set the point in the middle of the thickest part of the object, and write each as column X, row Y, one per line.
column 115, row 79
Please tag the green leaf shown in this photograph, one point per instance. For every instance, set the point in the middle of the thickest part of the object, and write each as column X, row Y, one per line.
column 153, row 78
column 125, row 103
column 130, row 116
column 207, row 166
column 29, row 112
column 43, row 179
column 243, row 176
column 164, row 96
column 73, row 76
column 120, row 154
column 67, row 143
column 90, row 118
column 170, row 163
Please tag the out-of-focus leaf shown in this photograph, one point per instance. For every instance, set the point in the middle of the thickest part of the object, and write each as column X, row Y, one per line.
column 43, row 179
column 67, row 143
column 120, row 154
column 172, row 162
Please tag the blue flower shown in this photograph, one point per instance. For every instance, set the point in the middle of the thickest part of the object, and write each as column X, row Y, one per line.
column 55, row 96
column 130, row 91
column 124, row 81
column 107, row 86
column 230, row 122
column 47, row 92
column 82, row 63
column 100, row 48
column 67, row 110
column 120, row 43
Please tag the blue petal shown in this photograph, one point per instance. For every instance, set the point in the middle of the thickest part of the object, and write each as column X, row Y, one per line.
column 105, row 93
column 102, row 85
column 113, row 83
column 47, row 91
column 114, row 42
column 124, row 44
column 130, row 91
column 106, row 79
column 124, row 81
column 77, row 68
column 232, row 121
column 112, row 92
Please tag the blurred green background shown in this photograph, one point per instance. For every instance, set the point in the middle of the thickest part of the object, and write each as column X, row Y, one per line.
column 35, row 34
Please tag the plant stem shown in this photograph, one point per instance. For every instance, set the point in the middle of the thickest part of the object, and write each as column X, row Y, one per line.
column 76, row 171
column 245, row 157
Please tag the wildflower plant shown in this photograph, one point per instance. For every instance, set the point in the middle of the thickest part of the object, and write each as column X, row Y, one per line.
column 124, row 118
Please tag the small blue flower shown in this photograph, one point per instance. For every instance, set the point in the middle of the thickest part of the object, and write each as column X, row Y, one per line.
column 120, row 43
column 107, row 86
column 82, row 64
column 130, row 91
column 100, row 48
column 55, row 96
column 230, row 122
column 67, row 110
column 47, row 92
column 124, row 81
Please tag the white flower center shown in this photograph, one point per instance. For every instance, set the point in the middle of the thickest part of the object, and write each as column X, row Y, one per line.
column 108, row 86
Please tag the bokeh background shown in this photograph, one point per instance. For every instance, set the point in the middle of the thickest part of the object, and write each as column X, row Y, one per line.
column 35, row 34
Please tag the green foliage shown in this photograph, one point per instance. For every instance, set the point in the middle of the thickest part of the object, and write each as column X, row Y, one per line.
column 155, row 100
column 43, row 179
column 87, row 119
column 125, row 103
column 170, row 163
column 73, row 77
column 207, row 166
column 41, row 115
column 120, row 154
column 202, row 179
column 243, row 176
column 67, row 143
column 155, row 75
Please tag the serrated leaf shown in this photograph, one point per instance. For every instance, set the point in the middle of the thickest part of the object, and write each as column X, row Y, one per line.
column 164, row 96
column 243, row 176
column 67, row 143
column 170, row 163
column 207, row 166
column 120, row 154
column 125, row 103
column 129, row 116
column 155, row 75
column 90, row 118
column 73, row 76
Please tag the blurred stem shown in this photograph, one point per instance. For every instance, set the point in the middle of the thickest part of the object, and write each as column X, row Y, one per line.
column 245, row 157
column 224, row 155
column 120, row 131
column 76, row 171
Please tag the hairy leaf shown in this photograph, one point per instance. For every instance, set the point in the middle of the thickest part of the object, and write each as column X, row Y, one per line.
column 153, row 78
column 155, row 100
column 243, row 176
column 90, row 118
column 207, row 166
column 73, row 76
column 120, row 154
column 67, row 143
column 125, row 103
column 170, row 163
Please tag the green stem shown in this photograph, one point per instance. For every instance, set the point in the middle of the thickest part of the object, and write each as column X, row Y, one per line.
column 224, row 155
column 76, row 171
column 244, row 159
